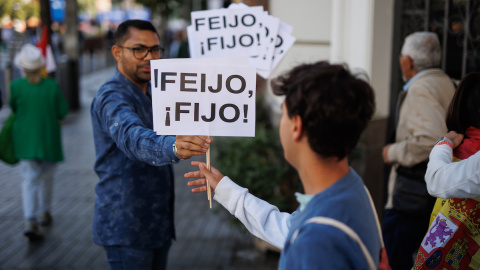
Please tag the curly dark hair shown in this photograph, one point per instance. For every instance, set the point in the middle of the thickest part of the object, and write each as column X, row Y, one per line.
column 122, row 33
column 335, row 106
column 464, row 109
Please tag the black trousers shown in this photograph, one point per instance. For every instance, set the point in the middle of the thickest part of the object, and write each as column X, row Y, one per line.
column 403, row 235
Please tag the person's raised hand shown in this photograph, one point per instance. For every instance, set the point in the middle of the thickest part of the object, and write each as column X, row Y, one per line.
column 385, row 153
column 189, row 146
column 455, row 137
column 214, row 176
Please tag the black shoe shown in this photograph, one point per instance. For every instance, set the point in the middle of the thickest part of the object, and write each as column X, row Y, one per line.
column 45, row 219
column 32, row 232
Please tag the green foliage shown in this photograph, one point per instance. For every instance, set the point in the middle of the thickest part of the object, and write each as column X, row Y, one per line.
column 258, row 163
column 163, row 8
column 87, row 6
column 19, row 9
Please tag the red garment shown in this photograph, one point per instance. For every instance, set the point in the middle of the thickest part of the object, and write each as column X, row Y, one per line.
column 47, row 53
column 43, row 43
column 470, row 144
column 452, row 241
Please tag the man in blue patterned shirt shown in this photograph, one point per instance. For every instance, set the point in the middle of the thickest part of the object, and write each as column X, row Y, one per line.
column 133, row 218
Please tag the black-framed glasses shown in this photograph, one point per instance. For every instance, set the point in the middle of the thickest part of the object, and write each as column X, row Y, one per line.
column 141, row 52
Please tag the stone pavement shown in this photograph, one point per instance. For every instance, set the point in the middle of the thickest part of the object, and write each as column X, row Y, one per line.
column 205, row 240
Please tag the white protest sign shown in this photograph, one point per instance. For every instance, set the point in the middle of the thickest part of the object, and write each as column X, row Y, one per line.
column 194, row 98
column 240, row 31
column 270, row 26
column 191, row 42
column 283, row 43
column 237, row 61
column 286, row 27
column 238, row 5
column 226, row 32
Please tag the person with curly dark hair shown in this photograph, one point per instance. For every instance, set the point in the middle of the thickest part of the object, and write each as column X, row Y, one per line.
column 325, row 111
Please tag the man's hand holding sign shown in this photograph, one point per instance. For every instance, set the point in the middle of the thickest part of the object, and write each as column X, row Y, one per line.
column 189, row 146
column 203, row 98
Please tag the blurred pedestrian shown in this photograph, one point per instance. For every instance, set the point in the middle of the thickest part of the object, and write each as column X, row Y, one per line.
column 133, row 218
column 455, row 220
column 183, row 49
column 38, row 105
column 317, row 139
column 175, row 44
column 420, row 121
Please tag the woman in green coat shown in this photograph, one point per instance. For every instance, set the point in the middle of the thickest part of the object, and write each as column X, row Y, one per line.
column 38, row 105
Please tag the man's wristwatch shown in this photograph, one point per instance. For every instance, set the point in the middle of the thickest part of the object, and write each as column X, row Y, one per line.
column 175, row 151
column 445, row 140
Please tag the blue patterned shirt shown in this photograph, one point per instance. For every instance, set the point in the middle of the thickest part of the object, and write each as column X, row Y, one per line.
column 135, row 195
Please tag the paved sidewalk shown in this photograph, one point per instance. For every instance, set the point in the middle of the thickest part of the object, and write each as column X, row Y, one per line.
column 205, row 239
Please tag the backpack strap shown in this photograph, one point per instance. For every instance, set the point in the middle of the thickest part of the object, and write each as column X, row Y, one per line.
column 376, row 217
column 347, row 230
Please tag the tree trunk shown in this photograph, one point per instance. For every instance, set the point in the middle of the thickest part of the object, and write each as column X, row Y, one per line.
column 72, row 49
column 46, row 19
column 71, row 43
column 45, row 15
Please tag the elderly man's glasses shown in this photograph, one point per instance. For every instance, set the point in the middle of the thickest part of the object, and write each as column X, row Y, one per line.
column 141, row 52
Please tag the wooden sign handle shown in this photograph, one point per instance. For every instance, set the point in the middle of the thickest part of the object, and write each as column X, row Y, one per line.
column 209, row 192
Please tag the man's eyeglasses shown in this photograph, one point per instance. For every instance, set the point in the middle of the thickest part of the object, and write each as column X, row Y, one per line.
column 141, row 52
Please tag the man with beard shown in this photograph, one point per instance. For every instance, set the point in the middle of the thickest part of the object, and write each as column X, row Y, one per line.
column 133, row 218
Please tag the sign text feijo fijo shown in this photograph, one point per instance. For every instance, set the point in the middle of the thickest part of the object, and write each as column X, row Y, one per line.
column 214, row 99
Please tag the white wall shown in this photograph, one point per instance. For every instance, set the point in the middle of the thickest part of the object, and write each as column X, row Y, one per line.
column 362, row 38
column 310, row 20
column 352, row 32
column 382, row 53
column 356, row 32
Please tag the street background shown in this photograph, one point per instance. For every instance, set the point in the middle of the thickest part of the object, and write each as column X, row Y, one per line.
column 205, row 238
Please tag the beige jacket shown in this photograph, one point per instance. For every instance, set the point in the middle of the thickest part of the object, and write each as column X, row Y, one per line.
column 421, row 121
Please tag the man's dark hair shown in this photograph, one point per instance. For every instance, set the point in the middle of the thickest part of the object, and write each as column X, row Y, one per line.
column 334, row 105
column 464, row 109
column 123, row 33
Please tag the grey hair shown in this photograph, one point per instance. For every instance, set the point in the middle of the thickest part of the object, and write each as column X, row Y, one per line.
column 424, row 49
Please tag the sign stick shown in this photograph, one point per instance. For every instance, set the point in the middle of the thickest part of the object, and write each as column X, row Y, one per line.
column 209, row 193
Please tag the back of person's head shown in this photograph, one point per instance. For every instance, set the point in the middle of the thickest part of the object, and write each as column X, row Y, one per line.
column 424, row 49
column 123, row 33
column 464, row 109
column 335, row 106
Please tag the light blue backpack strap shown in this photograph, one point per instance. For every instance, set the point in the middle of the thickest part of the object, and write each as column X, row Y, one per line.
column 347, row 230
column 376, row 217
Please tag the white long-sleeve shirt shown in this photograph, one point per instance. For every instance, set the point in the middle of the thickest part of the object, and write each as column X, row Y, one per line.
column 315, row 245
column 262, row 219
column 452, row 180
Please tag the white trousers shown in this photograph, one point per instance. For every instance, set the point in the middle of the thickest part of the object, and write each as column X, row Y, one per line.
column 37, row 187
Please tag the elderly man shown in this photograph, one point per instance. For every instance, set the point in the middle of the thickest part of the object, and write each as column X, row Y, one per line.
column 420, row 120
column 133, row 218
